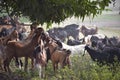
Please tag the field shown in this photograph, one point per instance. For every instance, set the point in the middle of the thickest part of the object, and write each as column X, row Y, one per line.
column 82, row 67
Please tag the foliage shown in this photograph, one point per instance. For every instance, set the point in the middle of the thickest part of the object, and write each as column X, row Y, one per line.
column 49, row 11
column 83, row 68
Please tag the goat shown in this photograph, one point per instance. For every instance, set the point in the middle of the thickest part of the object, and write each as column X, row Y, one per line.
column 96, row 37
column 57, row 54
column 62, row 57
column 3, row 42
column 114, row 41
column 88, row 31
column 13, row 36
column 106, row 42
column 19, row 49
column 106, row 56
column 77, row 49
column 90, row 38
column 72, row 30
column 66, row 32
column 59, row 33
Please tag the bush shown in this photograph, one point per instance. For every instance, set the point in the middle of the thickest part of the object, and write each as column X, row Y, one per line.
column 82, row 68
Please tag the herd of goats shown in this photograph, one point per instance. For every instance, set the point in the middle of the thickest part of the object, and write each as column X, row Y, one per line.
column 41, row 46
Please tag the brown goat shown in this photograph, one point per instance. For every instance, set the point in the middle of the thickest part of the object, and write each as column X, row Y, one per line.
column 88, row 31
column 13, row 36
column 62, row 57
column 19, row 49
column 58, row 55
column 3, row 42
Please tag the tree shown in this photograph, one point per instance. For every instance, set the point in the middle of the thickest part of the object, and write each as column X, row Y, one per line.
column 49, row 11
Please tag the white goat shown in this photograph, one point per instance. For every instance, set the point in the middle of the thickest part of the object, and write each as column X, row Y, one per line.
column 77, row 49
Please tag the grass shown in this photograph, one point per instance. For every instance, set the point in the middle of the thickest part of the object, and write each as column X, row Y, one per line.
column 83, row 68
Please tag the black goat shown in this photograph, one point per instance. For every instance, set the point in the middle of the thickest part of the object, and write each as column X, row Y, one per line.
column 106, row 42
column 65, row 32
column 74, row 42
column 106, row 56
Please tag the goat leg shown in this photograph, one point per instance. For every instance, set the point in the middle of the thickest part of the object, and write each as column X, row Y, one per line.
column 21, row 63
column 32, row 63
column 26, row 63
column 5, row 64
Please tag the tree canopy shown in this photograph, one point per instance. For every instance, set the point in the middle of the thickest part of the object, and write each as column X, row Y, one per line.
column 49, row 11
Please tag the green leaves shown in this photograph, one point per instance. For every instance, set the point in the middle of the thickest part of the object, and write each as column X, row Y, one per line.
column 49, row 11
